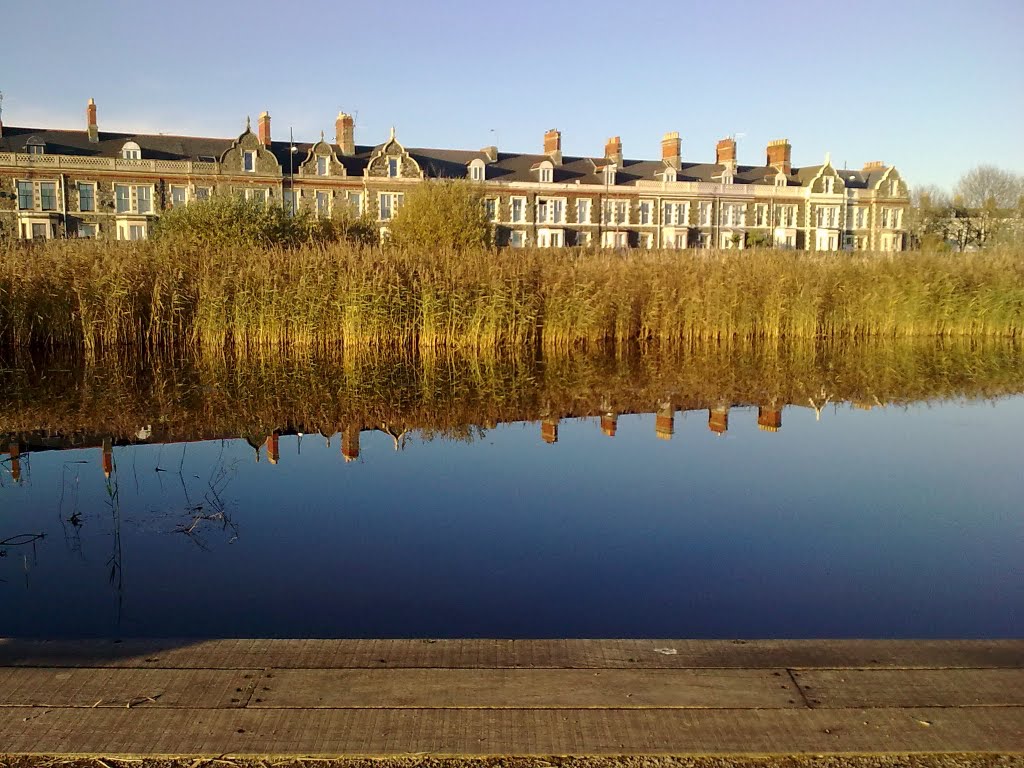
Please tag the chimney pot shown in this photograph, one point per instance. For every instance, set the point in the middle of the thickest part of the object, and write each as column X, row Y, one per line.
column 92, row 127
column 672, row 149
column 725, row 152
column 613, row 150
column 874, row 165
column 345, row 134
column 263, row 128
column 779, row 155
column 553, row 145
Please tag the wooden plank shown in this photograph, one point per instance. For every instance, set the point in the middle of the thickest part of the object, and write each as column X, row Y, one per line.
column 527, row 688
column 912, row 687
column 63, row 687
column 529, row 654
column 469, row 732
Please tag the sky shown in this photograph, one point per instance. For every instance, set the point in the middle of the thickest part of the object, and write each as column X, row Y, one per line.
column 931, row 86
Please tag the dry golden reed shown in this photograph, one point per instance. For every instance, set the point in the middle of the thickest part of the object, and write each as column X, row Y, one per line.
column 92, row 295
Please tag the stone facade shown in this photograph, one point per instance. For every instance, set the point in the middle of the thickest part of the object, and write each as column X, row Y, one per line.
column 94, row 184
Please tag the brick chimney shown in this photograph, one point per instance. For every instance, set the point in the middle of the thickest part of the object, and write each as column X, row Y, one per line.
column 672, row 149
column 725, row 151
column 780, row 155
column 553, row 145
column 345, row 134
column 613, row 150
column 874, row 165
column 92, row 128
column 263, row 128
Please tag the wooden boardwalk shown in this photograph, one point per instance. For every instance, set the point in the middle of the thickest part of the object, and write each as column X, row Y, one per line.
column 391, row 698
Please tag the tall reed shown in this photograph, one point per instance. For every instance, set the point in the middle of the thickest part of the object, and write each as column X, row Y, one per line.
column 94, row 295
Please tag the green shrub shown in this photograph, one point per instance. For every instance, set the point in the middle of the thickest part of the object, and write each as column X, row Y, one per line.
column 442, row 215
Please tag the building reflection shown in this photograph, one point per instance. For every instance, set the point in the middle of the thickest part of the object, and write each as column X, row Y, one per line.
column 769, row 419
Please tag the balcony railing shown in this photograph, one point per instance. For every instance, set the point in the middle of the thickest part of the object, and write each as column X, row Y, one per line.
column 86, row 163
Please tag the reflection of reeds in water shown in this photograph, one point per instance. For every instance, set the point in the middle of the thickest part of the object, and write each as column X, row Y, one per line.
column 92, row 295
column 456, row 394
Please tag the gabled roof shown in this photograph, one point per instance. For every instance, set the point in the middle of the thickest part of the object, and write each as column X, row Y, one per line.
column 435, row 163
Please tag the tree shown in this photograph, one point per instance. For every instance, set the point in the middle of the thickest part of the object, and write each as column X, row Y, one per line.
column 988, row 185
column 441, row 214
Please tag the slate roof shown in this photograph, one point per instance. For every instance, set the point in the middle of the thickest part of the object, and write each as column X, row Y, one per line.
column 443, row 163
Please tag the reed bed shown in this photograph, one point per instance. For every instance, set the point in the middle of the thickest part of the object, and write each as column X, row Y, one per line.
column 458, row 394
column 94, row 295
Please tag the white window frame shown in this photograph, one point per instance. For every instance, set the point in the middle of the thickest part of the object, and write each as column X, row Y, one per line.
column 477, row 171
column 323, row 202
column 118, row 199
column 761, row 215
column 546, row 173
column 131, row 151
column 491, row 205
column 323, row 165
column 183, row 188
column 583, row 210
column 520, row 204
column 550, row 210
column 22, row 184
column 249, row 161
column 645, row 212
column 91, row 186
column 139, row 189
column 86, row 224
column 394, row 203
column 203, row 193
column 394, row 167
column 259, row 194
column 355, row 202
column 517, row 239
column 706, row 210
column 48, row 185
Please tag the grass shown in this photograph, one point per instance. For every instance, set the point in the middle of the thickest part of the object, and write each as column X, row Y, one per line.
column 95, row 296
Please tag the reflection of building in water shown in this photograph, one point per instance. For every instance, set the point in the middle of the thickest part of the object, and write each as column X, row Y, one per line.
column 273, row 447
column 609, row 423
column 769, row 419
column 108, row 456
column 665, row 422
column 15, row 452
column 718, row 419
column 549, row 430
column 350, row 442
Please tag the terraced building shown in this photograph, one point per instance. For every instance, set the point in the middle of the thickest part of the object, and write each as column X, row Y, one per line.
column 92, row 183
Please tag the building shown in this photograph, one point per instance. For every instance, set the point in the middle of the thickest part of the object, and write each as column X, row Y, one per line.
column 89, row 183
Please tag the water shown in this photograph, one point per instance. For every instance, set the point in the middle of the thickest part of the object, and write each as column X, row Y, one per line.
column 741, row 495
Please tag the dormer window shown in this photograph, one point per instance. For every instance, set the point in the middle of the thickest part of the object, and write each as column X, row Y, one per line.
column 727, row 177
column 131, row 151
column 249, row 161
column 35, row 146
column 476, row 170
column 321, row 166
column 609, row 175
column 780, row 180
column 393, row 167
column 670, row 175
column 547, row 174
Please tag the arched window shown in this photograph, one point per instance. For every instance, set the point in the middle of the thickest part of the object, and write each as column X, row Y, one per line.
column 477, row 171
column 131, row 151
column 35, row 146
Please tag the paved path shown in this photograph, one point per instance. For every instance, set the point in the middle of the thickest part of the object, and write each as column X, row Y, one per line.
column 492, row 697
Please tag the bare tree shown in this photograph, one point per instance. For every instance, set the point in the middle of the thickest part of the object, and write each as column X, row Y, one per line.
column 987, row 185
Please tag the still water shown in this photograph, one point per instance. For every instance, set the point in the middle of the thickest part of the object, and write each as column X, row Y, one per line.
column 719, row 496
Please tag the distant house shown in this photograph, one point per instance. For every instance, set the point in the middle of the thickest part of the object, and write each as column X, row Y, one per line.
column 88, row 183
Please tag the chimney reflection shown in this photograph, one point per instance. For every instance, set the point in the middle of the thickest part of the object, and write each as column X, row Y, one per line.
column 350, row 442
column 609, row 423
column 718, row 419
column 549, row 430
column 15, row 453
column 108, row 457
column 665, row 422
column 273, row 447
column 769, row 419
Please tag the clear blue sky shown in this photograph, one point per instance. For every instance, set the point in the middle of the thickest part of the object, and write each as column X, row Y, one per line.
column 935, row 87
